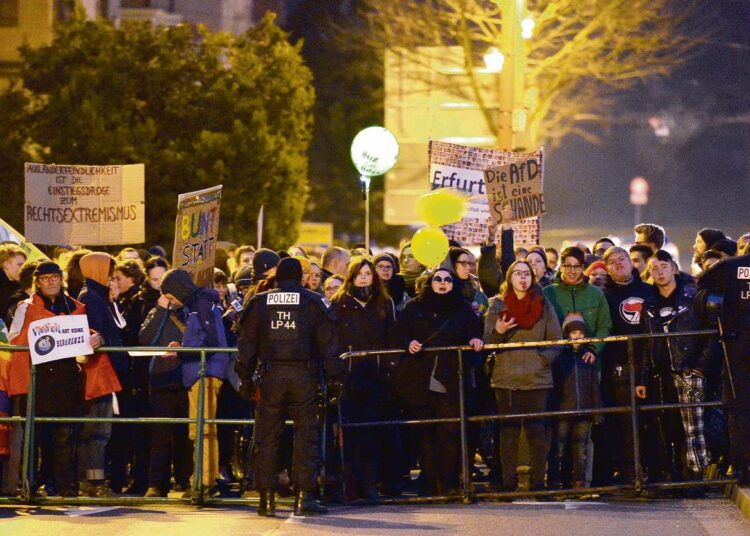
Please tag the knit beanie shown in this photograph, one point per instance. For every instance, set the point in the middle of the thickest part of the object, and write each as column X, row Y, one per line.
column 710, row 236
column 593, row 266
column 289, row 269
column 574, row 321
column 47, row 268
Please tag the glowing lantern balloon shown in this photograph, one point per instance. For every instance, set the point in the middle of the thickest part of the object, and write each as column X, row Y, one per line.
column 374, row 151
column 429, row 246
column 441, row 207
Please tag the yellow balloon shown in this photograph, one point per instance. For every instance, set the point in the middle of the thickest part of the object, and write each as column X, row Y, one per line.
column 441, row 207
column 429, row 246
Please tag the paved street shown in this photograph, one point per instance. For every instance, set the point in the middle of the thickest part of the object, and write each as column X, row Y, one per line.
column 716, row 516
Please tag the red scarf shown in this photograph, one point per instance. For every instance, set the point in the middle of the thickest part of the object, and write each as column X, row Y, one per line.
column 525, row 311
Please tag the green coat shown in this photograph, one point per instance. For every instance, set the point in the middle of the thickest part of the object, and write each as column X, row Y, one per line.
column 585, row 299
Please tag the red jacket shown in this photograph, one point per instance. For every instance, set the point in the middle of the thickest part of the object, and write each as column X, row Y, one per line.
column 101, row 378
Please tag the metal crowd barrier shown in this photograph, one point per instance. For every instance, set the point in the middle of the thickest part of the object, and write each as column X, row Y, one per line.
column 466, row 493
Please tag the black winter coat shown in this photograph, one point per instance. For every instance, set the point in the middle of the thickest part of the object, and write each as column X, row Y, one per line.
column 627, row 304
column 432, row 325
column 682, row 353
column 131, row 307
column 365, row 328
column 576, row 382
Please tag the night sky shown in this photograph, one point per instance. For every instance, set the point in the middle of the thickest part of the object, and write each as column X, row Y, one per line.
column 699, row 174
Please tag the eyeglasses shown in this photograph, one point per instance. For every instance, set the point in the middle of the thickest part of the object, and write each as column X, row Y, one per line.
column 447, row 279
column 521, row 273
column 600, row 251
column 384, row 267
column 49, row 278
column 572, row 267
column 332, row 289
column 467, row 263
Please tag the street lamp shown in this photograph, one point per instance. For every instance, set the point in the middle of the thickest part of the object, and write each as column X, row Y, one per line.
column 374, row 152
column 494, row 60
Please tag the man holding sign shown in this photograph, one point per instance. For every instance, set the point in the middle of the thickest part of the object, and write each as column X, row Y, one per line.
column 59, row 382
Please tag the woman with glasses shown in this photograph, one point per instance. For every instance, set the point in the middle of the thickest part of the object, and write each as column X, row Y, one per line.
column 522, row 377
column 427, row 382
column 365, row 315
column 463, row 264
column 386, row 267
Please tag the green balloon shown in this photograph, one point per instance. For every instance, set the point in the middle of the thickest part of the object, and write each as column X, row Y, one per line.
column 429, row 246
column 441, row 207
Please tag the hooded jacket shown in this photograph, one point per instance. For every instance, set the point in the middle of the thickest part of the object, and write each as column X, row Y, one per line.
column 95, row 296
column 203, row 326
column 585, row 299
column 627, row 303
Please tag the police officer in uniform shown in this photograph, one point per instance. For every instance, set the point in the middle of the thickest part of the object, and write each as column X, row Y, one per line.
column 731, row 279
column 283, row 331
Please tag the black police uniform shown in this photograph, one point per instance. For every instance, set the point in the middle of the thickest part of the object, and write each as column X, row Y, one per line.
column 731, row 278
column 280, row 333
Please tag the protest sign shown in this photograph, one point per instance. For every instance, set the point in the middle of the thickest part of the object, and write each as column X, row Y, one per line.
column 196, row 233
column 59, row 337
column 518, row 185
column 462, row 168
column 8, row 233
column 84, row 205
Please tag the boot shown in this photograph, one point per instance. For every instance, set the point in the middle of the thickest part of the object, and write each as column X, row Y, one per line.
column 305, row 504
column 267, row 503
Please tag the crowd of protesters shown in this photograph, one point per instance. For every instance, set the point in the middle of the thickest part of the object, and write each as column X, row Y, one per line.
column 376, row 302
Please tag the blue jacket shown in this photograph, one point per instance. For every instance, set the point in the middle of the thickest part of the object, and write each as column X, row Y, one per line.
column 95, row 297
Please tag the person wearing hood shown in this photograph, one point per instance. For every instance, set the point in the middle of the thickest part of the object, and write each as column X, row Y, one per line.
column 203, row 328
column 365, row 315
column 385, row 266
column 627, row 296
column 426, row 383
column 97, row 268
column 522, row 377
column 285, row 338
column 61, row 385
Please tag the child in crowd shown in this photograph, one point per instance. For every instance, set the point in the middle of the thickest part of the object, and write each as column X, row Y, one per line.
column 576, row 388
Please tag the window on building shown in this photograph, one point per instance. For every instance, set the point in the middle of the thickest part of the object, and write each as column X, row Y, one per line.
column 8, row 13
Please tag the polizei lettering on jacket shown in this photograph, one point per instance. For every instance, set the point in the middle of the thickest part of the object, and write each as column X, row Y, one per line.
column 283, row 298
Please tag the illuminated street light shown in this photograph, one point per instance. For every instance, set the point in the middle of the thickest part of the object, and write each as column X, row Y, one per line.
column 494, row 60
column 527, row 27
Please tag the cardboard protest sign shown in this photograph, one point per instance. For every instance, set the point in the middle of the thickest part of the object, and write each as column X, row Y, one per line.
column 59, row 337
column 463, row 168
column 196, row 233
column 518, row 185
column 84, row 205
column 8, row 233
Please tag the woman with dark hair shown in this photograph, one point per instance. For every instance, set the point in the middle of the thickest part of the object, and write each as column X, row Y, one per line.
column 130, row 443
column 365, row 315
column 73, row 276
column 461, row 263
column 154, row 268
column 427, row 382
column 522, row 377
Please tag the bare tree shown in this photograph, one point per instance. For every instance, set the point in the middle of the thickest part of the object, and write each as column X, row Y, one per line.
column 578, row 53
